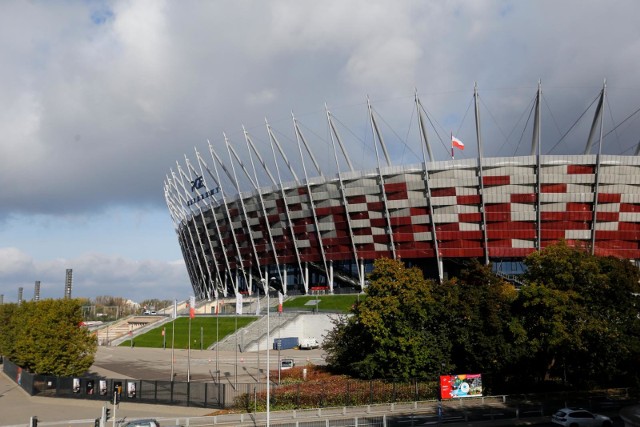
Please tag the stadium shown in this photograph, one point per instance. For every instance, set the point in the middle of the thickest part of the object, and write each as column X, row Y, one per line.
column 323, row 231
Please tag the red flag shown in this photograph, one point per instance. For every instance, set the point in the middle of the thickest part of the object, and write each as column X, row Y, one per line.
column 192, row 307
column 455, row 142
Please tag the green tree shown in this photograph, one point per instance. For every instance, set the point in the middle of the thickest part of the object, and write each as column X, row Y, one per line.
column 390, row 333
column 476, row 310
column 8, row 312
column 579, row 314
column 50, row 338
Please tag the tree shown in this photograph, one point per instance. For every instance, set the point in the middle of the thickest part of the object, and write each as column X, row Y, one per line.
column 579, row 313
column 50, row 339
column 475, row 310
column 390, row 333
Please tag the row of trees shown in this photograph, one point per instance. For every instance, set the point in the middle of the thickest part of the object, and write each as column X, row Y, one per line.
column 47, row 337
column 574, row 322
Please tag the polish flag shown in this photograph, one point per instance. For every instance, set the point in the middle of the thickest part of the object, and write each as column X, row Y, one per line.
column 192, row 307
column 455, row 142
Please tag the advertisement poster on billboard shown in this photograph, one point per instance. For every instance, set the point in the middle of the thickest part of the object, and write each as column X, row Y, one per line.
column 462, row 385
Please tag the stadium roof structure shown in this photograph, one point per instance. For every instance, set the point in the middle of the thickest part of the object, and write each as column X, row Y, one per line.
column 324, row 231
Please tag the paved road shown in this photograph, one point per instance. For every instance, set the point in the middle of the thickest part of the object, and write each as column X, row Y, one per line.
column 16, row 406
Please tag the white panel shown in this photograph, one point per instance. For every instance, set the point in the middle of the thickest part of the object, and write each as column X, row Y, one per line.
column 629, row 217
column 577, row 234
column 468, row 226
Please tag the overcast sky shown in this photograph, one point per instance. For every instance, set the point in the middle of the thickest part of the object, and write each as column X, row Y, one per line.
column 99, row 99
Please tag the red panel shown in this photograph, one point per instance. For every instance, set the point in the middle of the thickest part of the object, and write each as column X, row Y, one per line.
column 378, row 222
column 403, row 237
column 468, row 200
column 398, row 186
column 566, row 225
column 579, row 207
column 512, row 225
column 470, row 217
column 418, row 211
column 523, row 198
column 498, row 207
column 415, row 254
column 629, row 207
column 561, row 216
column 498, row 216
column 357, row 199
column 553, row 188
column 402, row 220
column 496, row 180
column 629, row 226
column 323, row 211
column 511, row 234
column 552, row 234
column 454, row 226
column 471, row 235
column 608, row 198
column 375, row 206
column 360, row 215
column 607, row 216
column 380, row 238
column 579, row 169
column 337, row 210
column 400, row 195
column 618, row 239
column 364, row 231
column 443, row 192
column 421, row 228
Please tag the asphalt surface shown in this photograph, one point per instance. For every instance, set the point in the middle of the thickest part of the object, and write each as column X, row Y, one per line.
column 17, row 407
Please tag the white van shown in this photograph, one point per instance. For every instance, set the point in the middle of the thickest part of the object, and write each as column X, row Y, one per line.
column 309, row 343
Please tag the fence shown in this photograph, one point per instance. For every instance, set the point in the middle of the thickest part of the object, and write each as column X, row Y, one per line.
column 204, row 395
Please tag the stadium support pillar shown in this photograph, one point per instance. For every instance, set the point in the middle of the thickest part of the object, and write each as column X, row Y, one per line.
column 331, row 277
column 306, row 273
column 361, row 267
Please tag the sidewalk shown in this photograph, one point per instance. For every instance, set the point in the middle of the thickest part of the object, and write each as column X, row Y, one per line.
column 17, row 407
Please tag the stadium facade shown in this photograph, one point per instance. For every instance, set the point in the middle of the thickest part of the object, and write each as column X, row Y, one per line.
column 324, row 232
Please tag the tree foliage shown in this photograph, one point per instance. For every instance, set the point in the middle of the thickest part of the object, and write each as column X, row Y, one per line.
column 389, row 334
column 47, row 337
column 574, row 322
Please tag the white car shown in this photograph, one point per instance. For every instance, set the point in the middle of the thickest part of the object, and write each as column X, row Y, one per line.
column 142, row 423
column 576, row 417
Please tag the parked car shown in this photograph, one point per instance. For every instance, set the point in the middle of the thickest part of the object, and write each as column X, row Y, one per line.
column 578, row 417
column 149, row 422
column 286, row 364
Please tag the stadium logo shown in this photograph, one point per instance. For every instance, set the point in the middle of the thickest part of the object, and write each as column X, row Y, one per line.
column 198, row 184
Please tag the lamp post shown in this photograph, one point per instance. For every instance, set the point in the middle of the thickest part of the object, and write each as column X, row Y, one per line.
column 266, row 291
column 273, row 282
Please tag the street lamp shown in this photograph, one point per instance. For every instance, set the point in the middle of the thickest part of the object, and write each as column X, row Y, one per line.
column 273, row 283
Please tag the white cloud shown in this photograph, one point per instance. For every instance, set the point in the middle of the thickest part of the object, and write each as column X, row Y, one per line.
column 93, row 275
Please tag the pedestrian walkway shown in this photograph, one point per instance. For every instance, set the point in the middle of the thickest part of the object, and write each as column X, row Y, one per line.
column 17, row 407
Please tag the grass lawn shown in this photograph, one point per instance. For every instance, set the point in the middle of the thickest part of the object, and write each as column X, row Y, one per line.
column 332, row 303
column 226, row 326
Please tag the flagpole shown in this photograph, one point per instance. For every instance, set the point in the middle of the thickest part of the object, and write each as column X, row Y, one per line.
column 189, row 354
column 173, row 335
column 452, row 156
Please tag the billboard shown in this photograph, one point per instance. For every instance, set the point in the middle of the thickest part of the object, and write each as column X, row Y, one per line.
column 462, row 385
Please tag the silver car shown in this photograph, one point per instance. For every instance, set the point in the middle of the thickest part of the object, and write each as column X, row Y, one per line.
column 576, row 417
